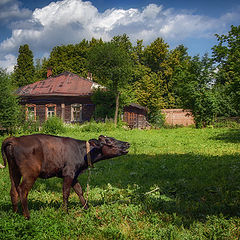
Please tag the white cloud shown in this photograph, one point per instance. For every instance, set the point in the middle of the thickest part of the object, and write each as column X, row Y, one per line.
column 8, row 62
column 151, row 11
column 10, row 11
column 182, row 26
column 69, row 21
column 66, row 12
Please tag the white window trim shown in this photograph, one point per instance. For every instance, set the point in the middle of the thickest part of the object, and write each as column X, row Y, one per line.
column 72, row 112
column 46, row 110
column 26, row 111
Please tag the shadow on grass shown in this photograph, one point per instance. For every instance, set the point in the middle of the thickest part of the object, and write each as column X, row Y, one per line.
column 32, row 204
column 190, row 185
column 231, row 136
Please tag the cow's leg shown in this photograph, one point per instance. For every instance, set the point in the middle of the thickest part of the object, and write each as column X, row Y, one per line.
column 67, row 182
column 78, row 189
column 15, row 177
column 23, row 190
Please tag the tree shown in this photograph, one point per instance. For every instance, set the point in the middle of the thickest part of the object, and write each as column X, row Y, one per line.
column 149, row 92
column 163, row 62
column 40, row 69
column 227, row 55
column 179, row 70
column 104, row 102
column 138, row 52
column 72, row 58
column 112, row 66
column 196, row 92
column 154, row 71
column 24, row 70
column 123, row 42
column 155, row 54
column 9, row 108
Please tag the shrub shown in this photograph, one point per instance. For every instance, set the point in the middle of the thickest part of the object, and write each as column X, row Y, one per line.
column 93, row 126
column 227, row 123
column 53, row 125
column 97, row 127
column 104, row 104
column 30, row 126
column 157, row 119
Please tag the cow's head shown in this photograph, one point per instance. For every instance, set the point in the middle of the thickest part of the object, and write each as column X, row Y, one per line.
column 110, row 147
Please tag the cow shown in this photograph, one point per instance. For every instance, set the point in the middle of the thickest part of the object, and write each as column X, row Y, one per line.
column 44, row 156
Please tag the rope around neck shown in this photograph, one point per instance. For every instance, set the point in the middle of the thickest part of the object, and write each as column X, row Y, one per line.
column 88, row 188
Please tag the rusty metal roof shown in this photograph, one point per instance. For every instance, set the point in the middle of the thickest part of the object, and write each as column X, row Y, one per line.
column 65, row 84
column 135, row 105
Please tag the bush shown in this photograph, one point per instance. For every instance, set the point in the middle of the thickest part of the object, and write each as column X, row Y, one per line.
column 30, row 126
column 227, row 123
column 100, row 126
column 53, row 125
column 157, row 119
column 104, row 104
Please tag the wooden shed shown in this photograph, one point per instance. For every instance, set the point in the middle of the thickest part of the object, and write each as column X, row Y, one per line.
column 66, row 95
column 135, row 116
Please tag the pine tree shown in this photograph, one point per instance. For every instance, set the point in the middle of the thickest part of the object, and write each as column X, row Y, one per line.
column 24, row 70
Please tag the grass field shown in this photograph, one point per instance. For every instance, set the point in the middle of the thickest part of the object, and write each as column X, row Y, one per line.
column 174, row 184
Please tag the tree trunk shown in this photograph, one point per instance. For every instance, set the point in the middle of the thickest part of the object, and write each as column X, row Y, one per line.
column 116, row 110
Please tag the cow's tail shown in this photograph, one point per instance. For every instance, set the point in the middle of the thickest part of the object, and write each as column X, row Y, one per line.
column 7, row 151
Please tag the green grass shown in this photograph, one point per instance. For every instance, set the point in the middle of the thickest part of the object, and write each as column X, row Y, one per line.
column 174, row 184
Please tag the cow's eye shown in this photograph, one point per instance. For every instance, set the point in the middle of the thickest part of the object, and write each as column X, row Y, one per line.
column 108, row 141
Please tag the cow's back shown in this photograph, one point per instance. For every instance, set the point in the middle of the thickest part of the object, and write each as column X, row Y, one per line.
column 42, row 155
column 61, row 155
column 47, row 156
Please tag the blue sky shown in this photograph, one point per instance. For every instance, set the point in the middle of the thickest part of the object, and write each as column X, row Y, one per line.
column 43, row 24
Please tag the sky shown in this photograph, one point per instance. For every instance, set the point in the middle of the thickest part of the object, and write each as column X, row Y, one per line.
column 44, row 24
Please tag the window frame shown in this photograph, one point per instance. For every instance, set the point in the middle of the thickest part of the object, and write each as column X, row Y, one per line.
column 80, row 112
column 46, row 110
column 27, row 111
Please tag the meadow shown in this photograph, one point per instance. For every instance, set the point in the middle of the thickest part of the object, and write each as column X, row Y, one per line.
column 181, row 183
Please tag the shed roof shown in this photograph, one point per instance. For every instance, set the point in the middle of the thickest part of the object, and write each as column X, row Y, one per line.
column 65, row 84
column 135, row 105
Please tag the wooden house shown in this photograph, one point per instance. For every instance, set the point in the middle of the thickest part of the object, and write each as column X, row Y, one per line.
column 66, row 95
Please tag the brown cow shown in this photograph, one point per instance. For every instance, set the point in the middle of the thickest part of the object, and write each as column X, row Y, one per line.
column 45, row 156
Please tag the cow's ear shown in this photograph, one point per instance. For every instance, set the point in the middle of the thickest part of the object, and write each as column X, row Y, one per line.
column 94, row 143
column 104, row 140
column 101, row 139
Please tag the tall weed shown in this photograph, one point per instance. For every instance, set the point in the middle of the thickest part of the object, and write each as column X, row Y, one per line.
column 53, row 125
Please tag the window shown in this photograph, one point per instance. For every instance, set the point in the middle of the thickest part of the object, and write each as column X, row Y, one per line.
column 50, row 110
column 76, row 112
column 31, row 112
